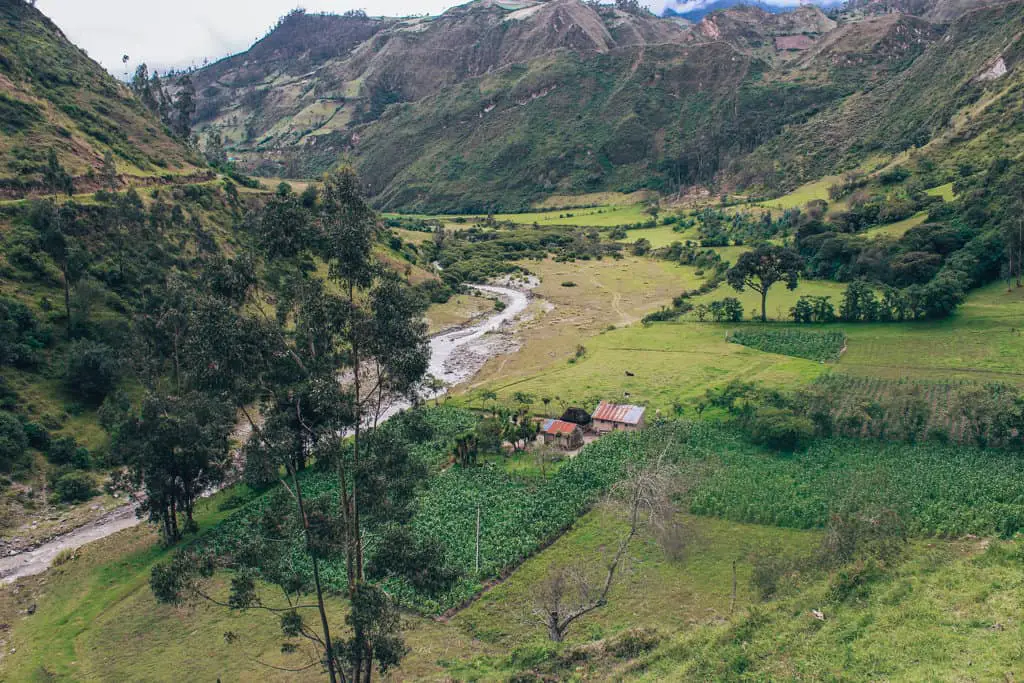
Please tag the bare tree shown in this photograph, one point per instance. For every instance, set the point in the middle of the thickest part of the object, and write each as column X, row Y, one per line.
column 569, row 593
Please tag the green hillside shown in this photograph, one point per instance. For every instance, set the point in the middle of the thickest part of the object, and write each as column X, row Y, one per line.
column 53, row 97
column 507, row 113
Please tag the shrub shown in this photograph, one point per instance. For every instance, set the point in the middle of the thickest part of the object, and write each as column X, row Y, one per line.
column 767, row 572
column 780, row 429
column 74, row 487
column 38, row 437
column 633, row 643
column 853, row 581
column 568, row 283
column 92, row 371
column 66, row 451
column 13, row 440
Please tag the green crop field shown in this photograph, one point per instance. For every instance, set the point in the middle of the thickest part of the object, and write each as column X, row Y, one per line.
column 820, row 345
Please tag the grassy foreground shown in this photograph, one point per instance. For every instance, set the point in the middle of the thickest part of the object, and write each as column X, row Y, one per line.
column 946, row 610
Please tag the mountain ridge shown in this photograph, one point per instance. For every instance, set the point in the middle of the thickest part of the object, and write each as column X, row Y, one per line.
column 493, row 104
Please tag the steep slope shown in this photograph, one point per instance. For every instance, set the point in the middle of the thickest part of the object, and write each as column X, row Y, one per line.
column 292, row 109
column 494, row 104
column 52, row 96
column 958, row 93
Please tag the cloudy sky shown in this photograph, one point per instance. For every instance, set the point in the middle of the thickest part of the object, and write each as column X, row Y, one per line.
column 185, row 32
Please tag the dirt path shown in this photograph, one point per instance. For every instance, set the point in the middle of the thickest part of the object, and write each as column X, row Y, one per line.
column 454, row 357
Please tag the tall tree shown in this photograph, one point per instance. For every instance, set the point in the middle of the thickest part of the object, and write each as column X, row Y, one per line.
column 142, row 86
column 288, row 358
column 55, row 225
column 56, row 178
column 184, row 108
column 176, row 448
column 762, row 268
column 108, row 172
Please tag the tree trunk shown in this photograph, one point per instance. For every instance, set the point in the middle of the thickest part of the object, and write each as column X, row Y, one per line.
column 764, row 305
column 328, row 647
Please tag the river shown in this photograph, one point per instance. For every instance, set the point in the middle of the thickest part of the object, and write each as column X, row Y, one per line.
column 454, row 357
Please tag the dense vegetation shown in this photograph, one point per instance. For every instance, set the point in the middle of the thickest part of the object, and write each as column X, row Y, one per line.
column 823, row 346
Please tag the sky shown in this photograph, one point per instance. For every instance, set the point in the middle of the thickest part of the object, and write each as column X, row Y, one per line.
column 182, row 33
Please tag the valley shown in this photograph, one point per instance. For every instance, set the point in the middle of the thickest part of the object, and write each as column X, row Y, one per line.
column 525, row 341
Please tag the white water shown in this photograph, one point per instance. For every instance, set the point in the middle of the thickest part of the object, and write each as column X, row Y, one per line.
column 445, row 364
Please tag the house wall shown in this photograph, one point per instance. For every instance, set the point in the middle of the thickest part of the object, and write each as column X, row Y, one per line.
column 604, row 426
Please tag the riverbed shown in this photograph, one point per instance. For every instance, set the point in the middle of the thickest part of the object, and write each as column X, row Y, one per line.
column 455, row 356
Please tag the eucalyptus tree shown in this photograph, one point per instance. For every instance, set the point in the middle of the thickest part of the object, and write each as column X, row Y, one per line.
column 324, row 361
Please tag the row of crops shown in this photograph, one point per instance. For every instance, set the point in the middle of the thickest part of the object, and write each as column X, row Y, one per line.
column 939, row 490
column 820, row 345
column 516, row 517
column 908, row 409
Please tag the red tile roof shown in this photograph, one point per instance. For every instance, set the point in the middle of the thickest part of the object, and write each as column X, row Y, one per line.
column 559, row 427
column 624, row 414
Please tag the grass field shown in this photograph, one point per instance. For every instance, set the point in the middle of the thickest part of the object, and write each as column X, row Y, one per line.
column 944, row 191
column 606, row 293
column 899, row 228
column 604, row 216
column 413, row 236
column 594, row 199
column 676, row 362
column 669, row 362
column 780, row 299
column 661, row 236
column 458, row 310
column 982, row 342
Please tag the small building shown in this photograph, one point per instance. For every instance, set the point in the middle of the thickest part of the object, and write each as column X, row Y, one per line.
column 563, row 434
column 612, row 417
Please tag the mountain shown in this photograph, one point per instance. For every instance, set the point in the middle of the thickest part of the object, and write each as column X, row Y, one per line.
column 695, row 11
column 52, row 96
column 496, row 104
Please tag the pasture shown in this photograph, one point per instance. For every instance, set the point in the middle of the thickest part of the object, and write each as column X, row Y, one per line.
column 670, row 363
column 661, row 236
column 458, row 310
column 982, row 342
column 606, row 293
column 897, row 229
column 780, row 299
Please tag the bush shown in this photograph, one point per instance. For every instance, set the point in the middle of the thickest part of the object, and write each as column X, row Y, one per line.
column 74, row 487
column 13, row 440
column 767, row 571
column 66, row 451
column 92, row 371
column 633, row 643
column 780, row 429
column 38, row 436
column 568, row 283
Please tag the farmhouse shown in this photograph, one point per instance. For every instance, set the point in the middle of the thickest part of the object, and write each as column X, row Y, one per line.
column 563, row 434
column 611, row 417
